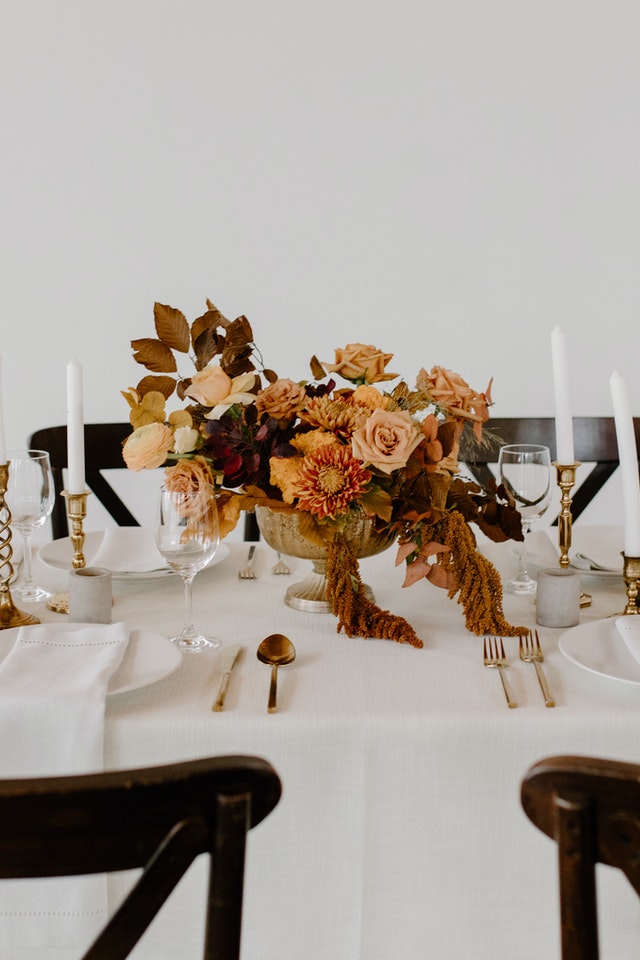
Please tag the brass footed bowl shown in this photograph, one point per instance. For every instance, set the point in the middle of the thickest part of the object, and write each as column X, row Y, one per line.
column 281, row 532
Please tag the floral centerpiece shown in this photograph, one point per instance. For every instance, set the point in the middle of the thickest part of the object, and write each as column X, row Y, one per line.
column 326, row 450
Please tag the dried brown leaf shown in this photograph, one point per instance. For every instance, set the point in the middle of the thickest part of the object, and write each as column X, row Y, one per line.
column 210, row 320
column 172, row 327
column 163, row 385
column 238, row 348
column 317, row 370
column 206, row 346
column 154, row 355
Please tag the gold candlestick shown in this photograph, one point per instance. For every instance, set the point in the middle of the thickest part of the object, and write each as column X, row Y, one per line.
column 10, row 616
column 631, row 574
column 76, row 512
column 566, row 476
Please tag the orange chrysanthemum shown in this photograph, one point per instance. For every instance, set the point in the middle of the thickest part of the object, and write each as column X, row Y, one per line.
column 335, row 415
column 330, row 480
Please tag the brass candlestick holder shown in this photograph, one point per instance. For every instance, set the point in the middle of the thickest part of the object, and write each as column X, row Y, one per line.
column 10, row 616
column 566, row 477
column 76, row 512
column 631, row 574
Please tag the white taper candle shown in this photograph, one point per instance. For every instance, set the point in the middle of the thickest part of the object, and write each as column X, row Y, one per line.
column 75, row 428
column 628, row 455
column 564, row 422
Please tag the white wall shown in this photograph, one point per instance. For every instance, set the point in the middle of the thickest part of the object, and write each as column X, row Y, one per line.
column 447, row 179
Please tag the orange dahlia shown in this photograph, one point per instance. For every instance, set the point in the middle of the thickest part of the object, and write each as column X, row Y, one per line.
column 330, row 480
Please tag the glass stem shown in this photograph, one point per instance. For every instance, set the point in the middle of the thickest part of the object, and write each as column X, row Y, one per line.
column 27, row 577
column 522, row 555
column 188, row 630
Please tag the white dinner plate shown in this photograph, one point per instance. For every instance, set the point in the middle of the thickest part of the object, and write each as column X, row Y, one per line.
column 58, row 554
column 149, row 656
column 599, row 648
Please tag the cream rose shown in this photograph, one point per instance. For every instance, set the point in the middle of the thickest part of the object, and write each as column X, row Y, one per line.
column 386, row 440
column 209, row 386
column 281, row 400
column 147, row 447
column 361, row 362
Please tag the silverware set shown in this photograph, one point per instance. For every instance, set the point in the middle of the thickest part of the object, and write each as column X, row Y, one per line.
column 248, row 572
column 275, row 651
column 530, row 652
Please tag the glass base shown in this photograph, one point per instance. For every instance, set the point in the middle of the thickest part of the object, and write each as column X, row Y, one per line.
column 196, row 643
column 522, row 585
column 30, row 594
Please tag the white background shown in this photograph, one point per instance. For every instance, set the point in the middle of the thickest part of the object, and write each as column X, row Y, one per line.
column 446, row 179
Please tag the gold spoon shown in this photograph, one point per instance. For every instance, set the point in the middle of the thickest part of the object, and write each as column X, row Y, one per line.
column 276, row 651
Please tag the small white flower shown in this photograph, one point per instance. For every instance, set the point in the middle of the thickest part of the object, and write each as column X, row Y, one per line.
column 184, row 440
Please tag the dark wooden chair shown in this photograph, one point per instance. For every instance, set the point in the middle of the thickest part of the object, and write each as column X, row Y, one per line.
column 591, row 808
column 102, row 451
column 159, row 818
column 594, row 440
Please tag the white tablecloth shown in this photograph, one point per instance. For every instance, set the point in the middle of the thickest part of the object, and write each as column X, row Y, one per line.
column 400, row 832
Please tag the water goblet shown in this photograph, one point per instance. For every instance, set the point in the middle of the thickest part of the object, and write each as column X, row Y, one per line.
column 30, row 496
column 187, row 536
column 525, row 472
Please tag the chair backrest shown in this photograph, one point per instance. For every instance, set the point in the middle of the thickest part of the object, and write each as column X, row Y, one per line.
column 158, row 818
column 594, row 442
column 591, row 808
column 102, row 451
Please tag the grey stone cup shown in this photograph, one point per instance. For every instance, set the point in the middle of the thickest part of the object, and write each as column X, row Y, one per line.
column 558, row 598
column 90, row 596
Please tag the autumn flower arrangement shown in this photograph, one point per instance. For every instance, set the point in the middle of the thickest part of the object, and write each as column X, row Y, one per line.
column 326, row 449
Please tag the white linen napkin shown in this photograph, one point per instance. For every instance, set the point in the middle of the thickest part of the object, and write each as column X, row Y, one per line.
column 629, row 629
column 53, row 685
column 128, row 550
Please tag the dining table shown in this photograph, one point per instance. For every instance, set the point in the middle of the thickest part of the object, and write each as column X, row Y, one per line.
column 400, row 832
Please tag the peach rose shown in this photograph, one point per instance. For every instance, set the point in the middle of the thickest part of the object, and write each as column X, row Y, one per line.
column 361, row 363
column 209, row 386
column 188, row 475
column 450, row 391
column 387, row 440
column 194, row 482
column 147, row 447
column 281, row 400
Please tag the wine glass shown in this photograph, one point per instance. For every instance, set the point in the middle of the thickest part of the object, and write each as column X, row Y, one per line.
column 187, row 536
column 30, row 495
column 525, row 472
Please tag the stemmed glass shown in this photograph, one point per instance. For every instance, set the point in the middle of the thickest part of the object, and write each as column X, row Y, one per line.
column 187, row 536
column 30, row 496
column 525, row 472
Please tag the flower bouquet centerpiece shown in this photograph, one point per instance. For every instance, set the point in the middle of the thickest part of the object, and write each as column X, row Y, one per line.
column 354, row 441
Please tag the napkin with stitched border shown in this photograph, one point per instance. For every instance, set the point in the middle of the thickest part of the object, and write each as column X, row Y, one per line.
column 53, row 687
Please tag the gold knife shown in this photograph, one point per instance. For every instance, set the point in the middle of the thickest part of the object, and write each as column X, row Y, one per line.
column 228, row 659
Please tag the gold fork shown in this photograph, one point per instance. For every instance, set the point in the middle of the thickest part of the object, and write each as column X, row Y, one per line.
column 280, row 566
column 533, row 654
column 495, row 656
column 247, row 572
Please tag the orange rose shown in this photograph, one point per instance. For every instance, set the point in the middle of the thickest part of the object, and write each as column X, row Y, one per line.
column 281, row 400
column 147, row 447
column 361, row 363
column 209, row 386
column 387, row 440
